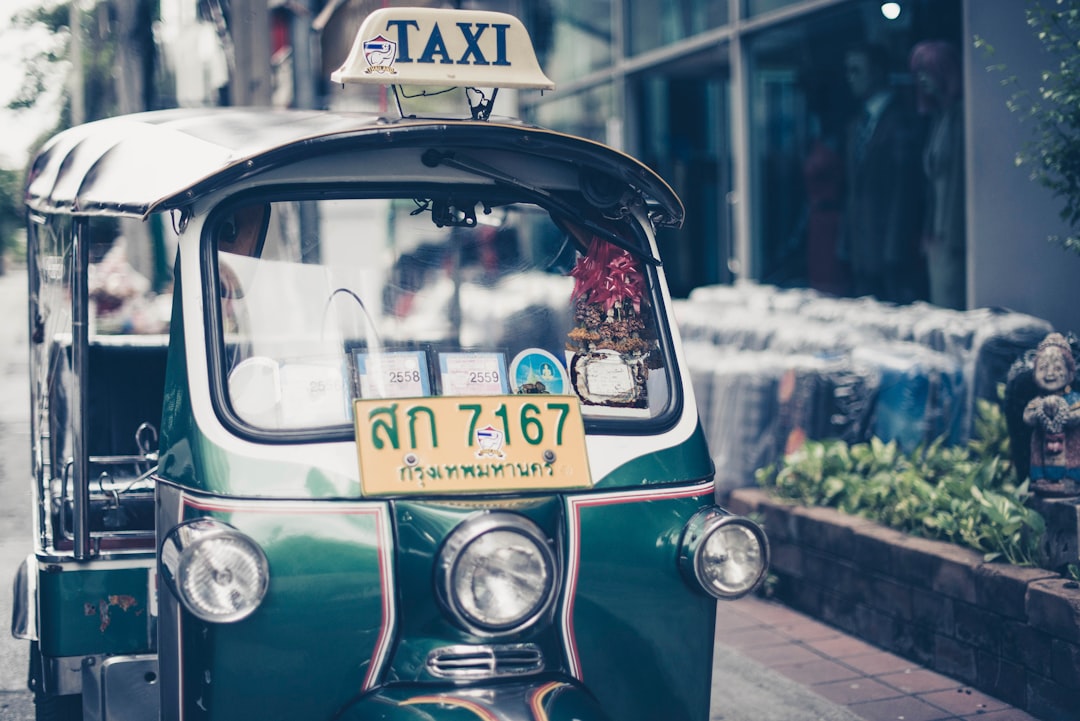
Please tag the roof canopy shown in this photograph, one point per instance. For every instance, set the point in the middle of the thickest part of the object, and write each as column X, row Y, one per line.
column 136, row 164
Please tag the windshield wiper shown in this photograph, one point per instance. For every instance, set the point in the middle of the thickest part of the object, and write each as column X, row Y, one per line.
column 433, row 158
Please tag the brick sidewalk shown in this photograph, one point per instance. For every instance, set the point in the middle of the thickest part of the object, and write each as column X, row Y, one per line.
column 873, row 684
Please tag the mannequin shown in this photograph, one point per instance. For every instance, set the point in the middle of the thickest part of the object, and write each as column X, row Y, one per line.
column 936, row 68
column 883, row 196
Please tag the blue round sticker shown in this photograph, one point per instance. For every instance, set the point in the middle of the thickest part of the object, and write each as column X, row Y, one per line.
column 534, row 370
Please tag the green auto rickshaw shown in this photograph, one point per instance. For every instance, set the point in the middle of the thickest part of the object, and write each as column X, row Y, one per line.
column 407, row 435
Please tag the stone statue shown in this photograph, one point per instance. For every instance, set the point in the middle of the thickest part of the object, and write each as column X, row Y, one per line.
column 1054, row 418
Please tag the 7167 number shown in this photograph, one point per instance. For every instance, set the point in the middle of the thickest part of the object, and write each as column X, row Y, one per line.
column 528, row 423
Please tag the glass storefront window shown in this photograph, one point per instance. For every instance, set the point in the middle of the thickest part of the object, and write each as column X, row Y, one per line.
column 656, row 23
column 857, row 159
column 589, row 114
column 683, row 133
column 758, row 7
column 571, row 37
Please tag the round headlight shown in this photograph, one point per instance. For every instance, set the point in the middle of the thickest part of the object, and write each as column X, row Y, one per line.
column 727, row 555
column 496, row 573
column 217, row 573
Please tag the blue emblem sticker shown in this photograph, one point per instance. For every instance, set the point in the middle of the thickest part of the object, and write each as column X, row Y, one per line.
column 489, row 440
column 534, row 370
column 380, row 54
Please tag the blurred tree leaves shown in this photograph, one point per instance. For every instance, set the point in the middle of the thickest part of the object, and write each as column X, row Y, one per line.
column 115, row 71
column 49, row 21
column 10, row 210
column 118, row 57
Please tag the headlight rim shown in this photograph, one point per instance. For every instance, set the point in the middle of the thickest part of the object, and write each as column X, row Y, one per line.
column 177, row 553
column 469, row 531
column 698, row 530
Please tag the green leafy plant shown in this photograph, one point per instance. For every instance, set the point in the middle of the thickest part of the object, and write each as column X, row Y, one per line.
column 961, row 494
column 1072, row 571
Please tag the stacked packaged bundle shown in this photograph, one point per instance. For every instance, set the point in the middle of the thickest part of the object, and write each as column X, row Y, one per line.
column 772, row 367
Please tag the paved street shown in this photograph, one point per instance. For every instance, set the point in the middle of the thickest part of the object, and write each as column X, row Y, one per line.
column 15, row 538
column 744, row 689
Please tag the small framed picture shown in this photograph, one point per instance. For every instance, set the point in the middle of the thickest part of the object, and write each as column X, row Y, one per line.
column 473, row 374
column 392, row 374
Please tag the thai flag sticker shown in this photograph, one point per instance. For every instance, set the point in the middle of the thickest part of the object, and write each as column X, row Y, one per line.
column 380, row 54
column 490, row 442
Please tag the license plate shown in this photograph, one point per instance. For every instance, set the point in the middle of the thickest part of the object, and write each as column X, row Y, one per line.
column 470, row 444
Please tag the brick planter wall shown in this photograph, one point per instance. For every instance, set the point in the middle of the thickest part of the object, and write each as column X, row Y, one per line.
column 1011, row 632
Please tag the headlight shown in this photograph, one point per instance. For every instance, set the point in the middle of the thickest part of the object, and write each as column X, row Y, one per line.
column 496, row 573
column 217, row 573
column 727, row 555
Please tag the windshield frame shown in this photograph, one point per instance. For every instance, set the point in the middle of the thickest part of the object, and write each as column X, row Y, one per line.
column 214, row 336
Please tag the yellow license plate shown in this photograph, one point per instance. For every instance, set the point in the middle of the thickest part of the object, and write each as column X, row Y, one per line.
column 470, row 444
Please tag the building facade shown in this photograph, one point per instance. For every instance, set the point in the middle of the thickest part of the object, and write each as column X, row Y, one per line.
column 755, row 110
column 853, row 146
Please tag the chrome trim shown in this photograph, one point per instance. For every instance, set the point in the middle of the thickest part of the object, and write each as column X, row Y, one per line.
column 176, row 556
column 120, row 688
column 465, row 534
column 23, row 602
column 80, row 397
column 62, row 675
column 485, row 661
column 698, row 530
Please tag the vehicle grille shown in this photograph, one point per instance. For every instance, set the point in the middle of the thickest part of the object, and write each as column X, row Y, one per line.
column 473, row 662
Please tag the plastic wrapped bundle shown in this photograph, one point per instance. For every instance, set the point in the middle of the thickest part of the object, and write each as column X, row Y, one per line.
column 742, row 421
column 697, row 319
column 944, row 330
column 742, row 328
column 748, row 294
column 762, row 405
column 723, row 325
column 925, row 393
column 883, row 320
column 796, row 334
column 1000, row 338
column 702, row 359
column 824, row 396
column 921, row 394
column 986, row 342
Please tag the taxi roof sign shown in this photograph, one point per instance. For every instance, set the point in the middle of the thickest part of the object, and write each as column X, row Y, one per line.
column 441, row 47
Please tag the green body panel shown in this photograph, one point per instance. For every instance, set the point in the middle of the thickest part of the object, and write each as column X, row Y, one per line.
column 421, row 527
column 567, row 701
column 190, row 459
column 685, row 462
column 99, row 611
column 542, row 698
column 643, row 635
column 305, row 651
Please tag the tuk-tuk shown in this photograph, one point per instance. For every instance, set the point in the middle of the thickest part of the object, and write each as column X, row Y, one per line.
column 407, row 434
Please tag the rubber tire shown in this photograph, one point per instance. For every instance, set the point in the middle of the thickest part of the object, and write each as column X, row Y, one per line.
column 58, row 708
column 50, row 708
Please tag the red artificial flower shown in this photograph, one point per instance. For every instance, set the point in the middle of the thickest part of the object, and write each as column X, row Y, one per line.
column 608, row 275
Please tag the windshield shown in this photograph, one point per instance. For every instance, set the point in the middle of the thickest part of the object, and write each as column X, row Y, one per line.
column 325, row 301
